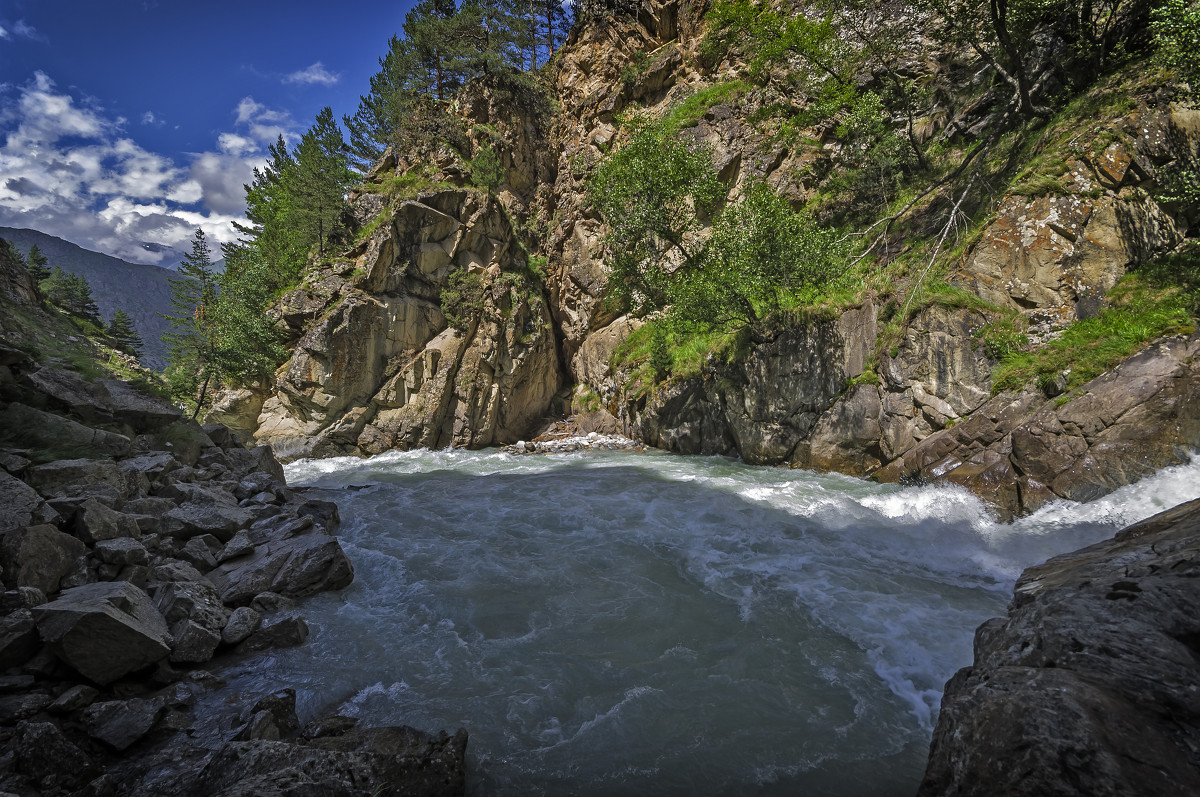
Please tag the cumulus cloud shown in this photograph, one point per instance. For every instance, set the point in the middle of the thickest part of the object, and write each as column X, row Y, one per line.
column 71, row 170
column 317, row 73
column 19, row 29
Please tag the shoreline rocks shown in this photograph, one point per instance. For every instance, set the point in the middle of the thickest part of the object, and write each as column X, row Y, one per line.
column 128, row 572
column 1089, row 685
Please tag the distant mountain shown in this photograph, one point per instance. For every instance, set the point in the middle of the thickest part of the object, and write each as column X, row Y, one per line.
column 140, row 290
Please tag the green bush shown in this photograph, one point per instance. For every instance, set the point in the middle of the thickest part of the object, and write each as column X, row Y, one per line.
column 463, row 299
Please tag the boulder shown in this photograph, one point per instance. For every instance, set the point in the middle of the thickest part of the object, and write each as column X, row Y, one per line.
column 34, row 428
column 195, row 616
column 193, row 518
column 18, row 638
column 104, row 630
column 21, row 505
column 377, row 760
column 240, row 545
column 65, row 477
column 293, row 564
column 22, row 706
column 121, row 723
column 242, row 623
column 95, row 522
column 122, row 551
column 136, row 408
column 47, row 757
column 39, row 557
column 278, row 631
column 75, row 698
column 1088, row 686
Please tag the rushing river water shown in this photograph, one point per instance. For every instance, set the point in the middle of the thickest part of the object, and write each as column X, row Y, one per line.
column 638, row 624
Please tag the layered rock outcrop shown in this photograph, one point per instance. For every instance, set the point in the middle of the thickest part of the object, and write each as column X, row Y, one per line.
column 376, row 365
column 1088, row 686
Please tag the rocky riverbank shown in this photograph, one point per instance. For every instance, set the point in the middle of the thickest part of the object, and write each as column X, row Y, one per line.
column 1089, row 685
column 139, row 551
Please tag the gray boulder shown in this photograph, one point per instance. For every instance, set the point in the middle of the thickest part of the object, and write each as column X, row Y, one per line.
column 34, row 428
column 122, row 551
column 66, row 476
column 242, row 623
column 95, row 522
column 196, row 618
column 18, row 638
column 105, row 630
column 294, row 558
column 278, row 631
column 121, row 723
column 136, row 408
column 47, row 757
column 38, row 556
column 194, row 518
column 20, row 505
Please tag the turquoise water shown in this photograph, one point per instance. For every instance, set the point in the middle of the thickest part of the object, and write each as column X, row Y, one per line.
column 642, row 623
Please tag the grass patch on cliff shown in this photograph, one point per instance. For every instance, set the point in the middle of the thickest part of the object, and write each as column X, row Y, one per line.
column 658, row 350
column 1160, row 299
column 689, row 112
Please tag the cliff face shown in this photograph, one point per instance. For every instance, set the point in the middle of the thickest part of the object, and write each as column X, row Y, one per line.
column 862, row 391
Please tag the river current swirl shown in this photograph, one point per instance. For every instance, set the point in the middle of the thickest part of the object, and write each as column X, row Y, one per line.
column 641, row 623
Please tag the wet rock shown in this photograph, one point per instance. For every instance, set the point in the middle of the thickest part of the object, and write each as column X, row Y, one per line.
column 278, row 631
column 398, row 760
column 1088, row 686
column 195, row 615
column 105, row 630
column 121, row 723
column 271, row 602
column 19, row 639
column 39, row 557
column 15, row 683
column 198, row 554
column 243, row 622
column 286, row 561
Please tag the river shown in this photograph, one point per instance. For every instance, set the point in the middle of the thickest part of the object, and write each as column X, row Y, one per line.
column 620, row 623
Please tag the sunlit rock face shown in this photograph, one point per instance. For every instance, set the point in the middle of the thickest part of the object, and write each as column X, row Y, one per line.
column 376, row 365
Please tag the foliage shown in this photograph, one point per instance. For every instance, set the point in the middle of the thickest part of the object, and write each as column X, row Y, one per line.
column 761, row 255
column 191, row 339
column 123, row 334
column 36, row 264
column 442, row 47
column 72, row 294
column 652, row 193
column 487, row 171
column 1175, row 26
column 463, row 299
column 690, row 111
column 636, row 69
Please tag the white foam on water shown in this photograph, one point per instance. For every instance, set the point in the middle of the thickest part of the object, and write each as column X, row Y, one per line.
column 647, row 623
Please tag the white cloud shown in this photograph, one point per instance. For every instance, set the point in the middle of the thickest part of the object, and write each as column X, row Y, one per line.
column 317, row 73
column 4, row 34
column 69, row 169
column 26, row 31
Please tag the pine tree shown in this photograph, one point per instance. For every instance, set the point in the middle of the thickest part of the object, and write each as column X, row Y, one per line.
column 123, row 334
column 191, row 338
column 317, row 186
column 35, row 263
column 72, row 294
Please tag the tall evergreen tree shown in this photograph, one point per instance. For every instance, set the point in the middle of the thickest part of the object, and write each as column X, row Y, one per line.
column 191, row 338
column 317, row 186
column 123, row 333
column 36, row 263
column 72, row 294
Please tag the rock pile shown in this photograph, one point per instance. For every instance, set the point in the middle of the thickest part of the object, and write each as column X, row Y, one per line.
column 154, row 546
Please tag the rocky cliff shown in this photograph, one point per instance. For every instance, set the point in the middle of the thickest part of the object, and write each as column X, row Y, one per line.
column 1088, row 686
column 895, row 383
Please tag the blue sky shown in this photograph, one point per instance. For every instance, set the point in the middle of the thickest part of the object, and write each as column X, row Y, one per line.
column 131, row 121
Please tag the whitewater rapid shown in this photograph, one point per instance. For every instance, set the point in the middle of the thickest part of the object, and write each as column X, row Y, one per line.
column 644, row 623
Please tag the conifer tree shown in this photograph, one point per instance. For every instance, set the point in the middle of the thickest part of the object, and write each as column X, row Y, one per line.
column 123, row 334
column 317, row 186
column 36, row 264
column 191, row 338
